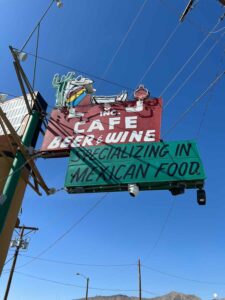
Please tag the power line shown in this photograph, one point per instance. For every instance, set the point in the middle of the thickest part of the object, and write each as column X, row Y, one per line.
column 182, row 278
column 219, row 30
column 20, row 168
column 182, row 115
column 192, row 73
column 190, row 58
column 124, row 38
column 209, row 100
column 8, row 260
column 36, row 53
column 159, row 53
column 66, row 232
column 199, row 27
column 37, row 25
column 80, row 71
column 80, row 264
column 161, row 231
column 79, row 286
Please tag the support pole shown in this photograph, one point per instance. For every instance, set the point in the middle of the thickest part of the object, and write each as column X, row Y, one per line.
column 15, row 171
column 22, row 146
column 139, row 278
column 22, row 87
column 87, row 286
column 22, row 228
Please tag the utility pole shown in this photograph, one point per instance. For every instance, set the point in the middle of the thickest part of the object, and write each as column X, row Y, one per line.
column 87, row 288
column 20, row 243
column 139, row 277
column 87, row 284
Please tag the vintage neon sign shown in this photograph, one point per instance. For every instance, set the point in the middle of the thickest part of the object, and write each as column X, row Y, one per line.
column 71, row 90
column 91, row 125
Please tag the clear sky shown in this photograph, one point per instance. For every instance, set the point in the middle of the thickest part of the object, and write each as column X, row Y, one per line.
column 181, row 245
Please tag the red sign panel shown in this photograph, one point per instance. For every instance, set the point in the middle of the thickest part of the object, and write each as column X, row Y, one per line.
column 101, row 124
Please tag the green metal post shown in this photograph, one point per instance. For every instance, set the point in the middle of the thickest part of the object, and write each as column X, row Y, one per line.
column 15, row 171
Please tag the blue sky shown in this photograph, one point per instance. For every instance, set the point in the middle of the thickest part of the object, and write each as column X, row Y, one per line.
column 180, row 244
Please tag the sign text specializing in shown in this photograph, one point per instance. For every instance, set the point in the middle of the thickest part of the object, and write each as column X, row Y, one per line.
column 150, row 165
column 97, row 125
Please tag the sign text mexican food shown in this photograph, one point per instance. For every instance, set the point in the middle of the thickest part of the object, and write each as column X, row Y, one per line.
column 150, row 165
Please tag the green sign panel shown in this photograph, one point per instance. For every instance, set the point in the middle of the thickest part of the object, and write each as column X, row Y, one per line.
column 150, row 165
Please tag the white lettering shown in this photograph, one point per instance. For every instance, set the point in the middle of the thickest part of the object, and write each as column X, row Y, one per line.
column 55, row 143
column 95, row 125
column 113, row 121
column 124, row 137
column 150, row 136
column 104, row 113
column 136, row 136
column 76, row 127
column 131, row 122
column 88, row 140
column 108, row 113
column 113, row 112
column 67, row 141
column 139, row 107
column 113, row 137
column 77, row 140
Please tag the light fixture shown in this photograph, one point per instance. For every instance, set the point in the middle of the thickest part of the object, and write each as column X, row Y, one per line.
column 177, row 190
column 201, row 197
column 59, row 3
column 3, row 97
column 133, row 189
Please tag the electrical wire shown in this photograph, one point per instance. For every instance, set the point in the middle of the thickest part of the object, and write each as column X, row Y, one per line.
column 37, row 25
column 80, row 71
column 20, row 168
column 204, row 115
column 79, row 286
column 124, row 38
column 221, row 29
column 161, row 231
column 80, row 264
column 190, row 58
column 75, row 224
column 11, row 258
column 199, row 27
column 36, row 53
column 182, row 278
column 192, row 73
column 182, row 115
column 208, row 101
column 159, row 53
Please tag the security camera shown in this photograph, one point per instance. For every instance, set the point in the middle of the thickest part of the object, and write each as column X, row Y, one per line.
column 176, row 190
column 133, row 189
